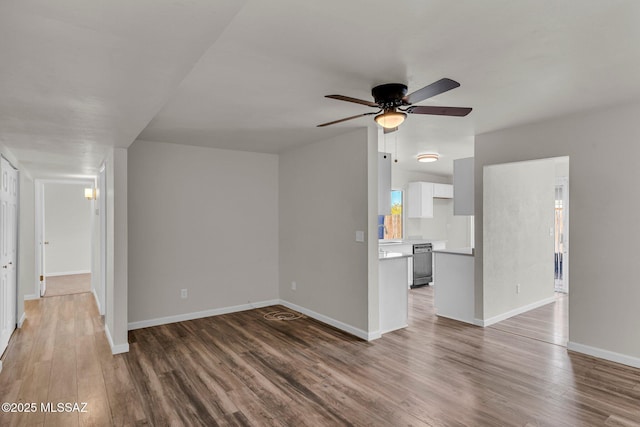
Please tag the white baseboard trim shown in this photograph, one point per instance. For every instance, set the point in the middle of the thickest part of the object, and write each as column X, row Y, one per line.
column 199, row 314
column 386, row 331
column 115, row 349
column 514, row 312
column 458, row 319
column 95, row 296
column 604, row 354
column 368, row 336
column 31, row 296
column 22, row 319
column 68, row 273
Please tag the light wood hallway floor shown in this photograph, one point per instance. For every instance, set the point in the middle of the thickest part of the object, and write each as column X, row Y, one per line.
column 68, row 284
column 241, row 369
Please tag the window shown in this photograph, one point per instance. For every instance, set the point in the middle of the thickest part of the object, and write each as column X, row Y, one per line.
column 390, row 226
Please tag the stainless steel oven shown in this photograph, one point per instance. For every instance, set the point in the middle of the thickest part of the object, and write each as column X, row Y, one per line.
column 422, row 264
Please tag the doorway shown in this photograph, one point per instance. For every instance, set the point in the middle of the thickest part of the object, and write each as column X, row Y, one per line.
column 66, row 223
column 526, row 248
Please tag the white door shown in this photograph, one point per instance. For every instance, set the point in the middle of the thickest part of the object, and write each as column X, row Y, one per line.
column 8, row 250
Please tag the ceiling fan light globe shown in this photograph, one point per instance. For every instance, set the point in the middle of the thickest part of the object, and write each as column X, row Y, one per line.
column 390, row 119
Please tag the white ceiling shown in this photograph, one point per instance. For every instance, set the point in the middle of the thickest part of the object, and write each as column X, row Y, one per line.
column 79, row 76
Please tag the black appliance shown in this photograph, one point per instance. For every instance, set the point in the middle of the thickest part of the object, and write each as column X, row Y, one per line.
column 422, row 264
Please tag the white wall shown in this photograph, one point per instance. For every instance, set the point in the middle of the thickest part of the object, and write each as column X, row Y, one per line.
column 116, row 292
column 201, row 219
column 96, row 279
column 519, row 200
column 324, row 199
column 400, row 177
column 26, row 242
column 67, row 229
column 444, row 225
column 604, row 226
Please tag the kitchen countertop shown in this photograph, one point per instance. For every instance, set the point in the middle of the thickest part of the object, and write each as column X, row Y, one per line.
column 419, row 241
column 392, row 255
column 411, row 242
column 458, row 251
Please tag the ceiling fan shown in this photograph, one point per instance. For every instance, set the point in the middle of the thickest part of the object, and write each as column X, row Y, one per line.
column 394, row 104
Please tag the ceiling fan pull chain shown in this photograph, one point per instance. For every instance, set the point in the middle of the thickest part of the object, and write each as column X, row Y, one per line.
column 395, row 138
column 384, row 144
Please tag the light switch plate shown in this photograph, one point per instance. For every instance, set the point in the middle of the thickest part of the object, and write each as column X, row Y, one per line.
column 360, row 236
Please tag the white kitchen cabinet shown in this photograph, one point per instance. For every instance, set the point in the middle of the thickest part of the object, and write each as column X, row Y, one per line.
column 443, row 191
column 463, row 187
column 420, row 200
column 384, row 183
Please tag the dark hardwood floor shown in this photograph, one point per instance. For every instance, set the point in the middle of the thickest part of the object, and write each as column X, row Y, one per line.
column 241, row 369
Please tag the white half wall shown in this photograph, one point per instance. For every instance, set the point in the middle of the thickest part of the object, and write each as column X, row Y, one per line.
column 519, row 201
column 68, row 229
column 324, row 200
column 204, row 220
column 604, row 311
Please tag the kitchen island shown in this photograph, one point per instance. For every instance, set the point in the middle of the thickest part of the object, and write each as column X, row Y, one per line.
column 393, row 291
column 453, row 278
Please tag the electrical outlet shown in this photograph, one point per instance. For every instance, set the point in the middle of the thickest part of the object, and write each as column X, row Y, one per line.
column 518, row 288
column 293, row 286
column 183, row 293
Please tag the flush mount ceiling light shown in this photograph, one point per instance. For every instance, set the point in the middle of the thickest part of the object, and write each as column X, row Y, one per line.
column 428, row 157
column 390, row 118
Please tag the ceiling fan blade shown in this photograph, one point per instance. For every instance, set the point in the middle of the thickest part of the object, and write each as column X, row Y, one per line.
column 433, row 89
column 386, row 131
column 356, row 100
column 439, row 111
column 345, row 119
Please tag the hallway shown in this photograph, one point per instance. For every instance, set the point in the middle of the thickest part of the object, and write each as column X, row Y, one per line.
column 62, row 355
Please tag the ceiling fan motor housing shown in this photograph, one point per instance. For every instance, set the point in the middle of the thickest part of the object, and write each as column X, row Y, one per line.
column 389, row 95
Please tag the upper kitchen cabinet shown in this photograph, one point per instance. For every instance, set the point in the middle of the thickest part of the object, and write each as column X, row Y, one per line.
column 384, row 183
column 463, row 187
column 443, row 191
column 420, row 200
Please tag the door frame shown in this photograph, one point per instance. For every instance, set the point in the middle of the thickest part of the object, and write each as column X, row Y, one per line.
column 17, row 322
column 564, row 182
column 102, row 209
column 40, row 285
